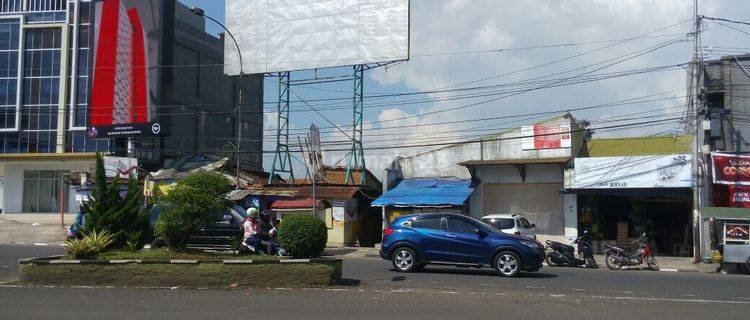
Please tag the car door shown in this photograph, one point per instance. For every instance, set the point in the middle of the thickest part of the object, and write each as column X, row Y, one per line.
column 431, row 238
column 467, row 245
column 221, row 233
column 527, row 229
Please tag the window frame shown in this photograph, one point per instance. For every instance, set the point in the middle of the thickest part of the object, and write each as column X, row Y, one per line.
column 443, row 226
column 448, row 225
column 19, row 72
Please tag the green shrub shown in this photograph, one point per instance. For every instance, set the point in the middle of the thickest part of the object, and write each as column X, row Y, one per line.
column 303, row 236
column 123, row 216
column 90, row 245
column 191, row 204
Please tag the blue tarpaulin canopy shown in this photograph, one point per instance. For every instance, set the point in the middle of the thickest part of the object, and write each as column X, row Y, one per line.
column 427, row 192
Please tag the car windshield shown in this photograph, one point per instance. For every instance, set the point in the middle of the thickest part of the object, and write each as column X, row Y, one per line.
column 500, row 223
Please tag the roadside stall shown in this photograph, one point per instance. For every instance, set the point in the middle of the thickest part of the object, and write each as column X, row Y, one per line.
column 730, row 235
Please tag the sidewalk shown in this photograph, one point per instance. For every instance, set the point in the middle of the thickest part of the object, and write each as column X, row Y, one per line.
column 18, row 229
column 666, row 264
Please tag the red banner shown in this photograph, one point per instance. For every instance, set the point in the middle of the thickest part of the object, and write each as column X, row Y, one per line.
column 739, row 196
column 731, row 169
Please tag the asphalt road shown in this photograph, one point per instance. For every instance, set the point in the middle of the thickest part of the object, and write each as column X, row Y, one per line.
column 373, row 291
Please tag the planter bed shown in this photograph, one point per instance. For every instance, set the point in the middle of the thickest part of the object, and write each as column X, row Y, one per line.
column 192, row 273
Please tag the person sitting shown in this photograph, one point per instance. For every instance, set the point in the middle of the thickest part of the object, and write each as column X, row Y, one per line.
column 251, row 237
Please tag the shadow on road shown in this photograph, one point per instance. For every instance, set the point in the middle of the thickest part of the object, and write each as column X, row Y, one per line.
column 350, row 282
column 475, row 272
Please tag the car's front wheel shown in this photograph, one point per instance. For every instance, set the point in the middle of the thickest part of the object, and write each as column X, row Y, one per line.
column 405, row 260
column 508, row 264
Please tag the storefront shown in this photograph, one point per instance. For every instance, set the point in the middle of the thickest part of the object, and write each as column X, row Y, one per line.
column 620, row 198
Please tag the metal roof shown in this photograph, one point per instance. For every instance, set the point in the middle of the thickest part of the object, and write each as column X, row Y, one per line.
column 427, row 192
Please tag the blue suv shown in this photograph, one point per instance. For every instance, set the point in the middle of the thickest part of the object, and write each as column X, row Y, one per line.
column 413, row 241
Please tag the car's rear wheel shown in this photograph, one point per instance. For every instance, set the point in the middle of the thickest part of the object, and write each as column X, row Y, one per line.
column 507, row 264
column 405, row 260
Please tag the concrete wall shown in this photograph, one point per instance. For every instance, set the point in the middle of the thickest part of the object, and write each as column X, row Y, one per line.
column 12, row 190
column 444, row 162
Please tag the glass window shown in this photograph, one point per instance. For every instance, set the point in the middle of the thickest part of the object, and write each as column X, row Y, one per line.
column 524, row 223
column 42, row 190
column 460, row 225
column 500, row 223
column 427, row 223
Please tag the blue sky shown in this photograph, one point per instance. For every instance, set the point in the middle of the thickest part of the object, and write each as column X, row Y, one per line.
column 452, row 42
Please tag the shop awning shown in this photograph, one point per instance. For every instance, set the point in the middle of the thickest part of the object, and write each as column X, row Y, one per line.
column 726, row 213
column 427, row 192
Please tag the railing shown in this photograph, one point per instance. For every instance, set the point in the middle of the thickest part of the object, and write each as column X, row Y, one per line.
column 21, row 6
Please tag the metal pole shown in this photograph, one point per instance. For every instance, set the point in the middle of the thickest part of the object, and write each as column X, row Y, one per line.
column 697, row 180
column 200, row 12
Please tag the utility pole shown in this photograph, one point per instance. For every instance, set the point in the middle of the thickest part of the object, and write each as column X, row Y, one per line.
column 695, row 105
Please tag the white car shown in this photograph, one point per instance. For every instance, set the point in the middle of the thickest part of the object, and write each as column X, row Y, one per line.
column 511, row 223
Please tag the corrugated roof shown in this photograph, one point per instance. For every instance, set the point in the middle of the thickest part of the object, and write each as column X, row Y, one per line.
column 324, row 192
column 639, row 146
column 300, row 203
column 428, row 192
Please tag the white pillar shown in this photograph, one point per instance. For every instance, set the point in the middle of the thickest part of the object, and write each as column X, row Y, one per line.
column 570, row 204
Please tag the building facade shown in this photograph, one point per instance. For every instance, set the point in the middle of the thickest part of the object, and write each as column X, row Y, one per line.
column 46, row 54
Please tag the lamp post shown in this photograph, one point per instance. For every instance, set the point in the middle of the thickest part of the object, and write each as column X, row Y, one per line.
column 199, row 12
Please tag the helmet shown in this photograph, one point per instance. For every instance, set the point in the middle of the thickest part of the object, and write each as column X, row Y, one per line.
column 252, row 212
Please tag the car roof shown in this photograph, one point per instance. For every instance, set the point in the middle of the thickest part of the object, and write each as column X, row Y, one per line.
column 503, row 216
column 427, row 215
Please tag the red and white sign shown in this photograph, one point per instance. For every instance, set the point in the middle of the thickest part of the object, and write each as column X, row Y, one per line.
column 739, row 196
column 545, row 136
column 731, row 169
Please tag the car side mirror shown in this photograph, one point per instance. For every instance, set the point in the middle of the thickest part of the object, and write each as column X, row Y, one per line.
column 481, row 233
column 533, row 225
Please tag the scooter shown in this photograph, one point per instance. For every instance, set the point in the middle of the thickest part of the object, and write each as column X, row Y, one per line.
column 617, row 257
column 563, row 254
column 263, row 248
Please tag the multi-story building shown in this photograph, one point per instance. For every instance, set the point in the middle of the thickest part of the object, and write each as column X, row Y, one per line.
column 46, row 54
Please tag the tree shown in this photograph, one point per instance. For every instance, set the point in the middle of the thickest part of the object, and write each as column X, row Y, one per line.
column 106, row 209
column 190, row 204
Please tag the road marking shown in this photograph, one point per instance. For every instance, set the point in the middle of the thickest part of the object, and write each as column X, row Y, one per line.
column 40, row 244
column 668, row 270
column 557, row 295
column 671, row 300
column 574, row 289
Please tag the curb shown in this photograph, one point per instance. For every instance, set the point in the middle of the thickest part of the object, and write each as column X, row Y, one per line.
column 57, row 261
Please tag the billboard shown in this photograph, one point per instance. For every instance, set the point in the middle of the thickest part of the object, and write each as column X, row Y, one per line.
column 731, row 169
column 545, row 136
column 124, row 69
column 657, row 171
column 287, row 35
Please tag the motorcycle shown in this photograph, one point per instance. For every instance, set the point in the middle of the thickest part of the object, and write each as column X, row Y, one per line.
column 617, row 257
column 563, row 254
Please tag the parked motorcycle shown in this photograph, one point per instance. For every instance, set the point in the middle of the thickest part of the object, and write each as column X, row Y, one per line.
column 563, row 254
column 617, row 257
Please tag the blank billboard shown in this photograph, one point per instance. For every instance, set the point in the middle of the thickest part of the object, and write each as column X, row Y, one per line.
column 286, row 35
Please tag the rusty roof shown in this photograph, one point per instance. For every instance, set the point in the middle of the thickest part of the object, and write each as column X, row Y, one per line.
column 326, row 192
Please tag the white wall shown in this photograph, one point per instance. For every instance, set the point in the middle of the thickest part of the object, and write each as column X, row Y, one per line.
column 12, row 193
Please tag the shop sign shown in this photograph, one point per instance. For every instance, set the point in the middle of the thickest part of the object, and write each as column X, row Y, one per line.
column 120, row 166
column 545, row 136
column 657, row 171
column 736, row 232
column 731, row 169
column 739, row 196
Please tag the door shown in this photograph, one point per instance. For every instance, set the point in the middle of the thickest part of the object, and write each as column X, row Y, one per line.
column 466, row 245
column 525, row 227
column 431, row 238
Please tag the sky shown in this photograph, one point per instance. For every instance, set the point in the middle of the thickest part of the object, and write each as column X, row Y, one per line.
column 469, row 43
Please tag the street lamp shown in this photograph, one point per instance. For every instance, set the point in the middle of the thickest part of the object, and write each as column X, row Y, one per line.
column 199, row 12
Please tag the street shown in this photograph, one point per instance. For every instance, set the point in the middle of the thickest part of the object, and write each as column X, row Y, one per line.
column 372, row 291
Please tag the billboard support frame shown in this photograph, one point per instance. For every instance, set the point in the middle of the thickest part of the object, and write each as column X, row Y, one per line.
column 357, row 156
column 282, row 158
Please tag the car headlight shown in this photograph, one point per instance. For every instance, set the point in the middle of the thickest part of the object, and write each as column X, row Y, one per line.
column 530, row 244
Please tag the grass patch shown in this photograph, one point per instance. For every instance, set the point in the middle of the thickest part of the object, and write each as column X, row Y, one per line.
column 166, row 254
column 210, row 274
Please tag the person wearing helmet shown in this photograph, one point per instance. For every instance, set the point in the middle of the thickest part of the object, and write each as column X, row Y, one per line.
column 251, row 226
